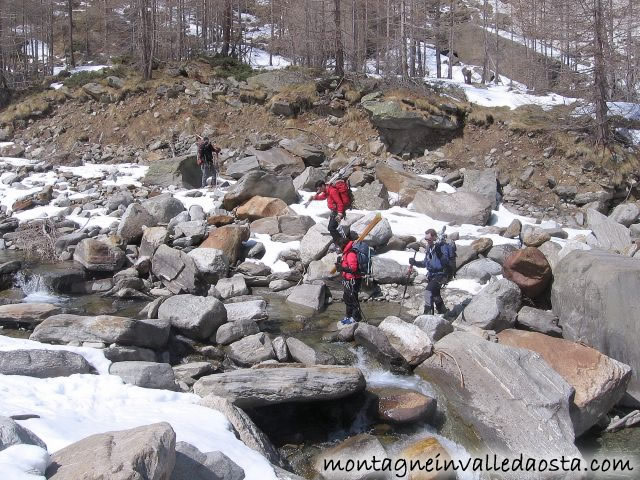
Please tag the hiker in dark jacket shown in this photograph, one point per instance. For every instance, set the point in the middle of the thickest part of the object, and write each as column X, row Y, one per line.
column 205, row 160
column 438, row 265
column 351, row 282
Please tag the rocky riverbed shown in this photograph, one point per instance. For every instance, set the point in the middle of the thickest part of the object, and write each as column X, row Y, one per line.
column 202, row 322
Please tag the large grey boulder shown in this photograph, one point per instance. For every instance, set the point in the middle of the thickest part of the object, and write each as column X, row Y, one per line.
column 242, row 166
column 482, row 270
column 252, row 350
column 278, row 161
column 163, row 207
column 232, row 287
column 295, row 224
column 192, row 464
column 322, row 269
column 434, row 326
column 374, row 340
column 122, row 197
column 248, row 388
column 626, row 214
column 146, row 452
column 387, row 270
column 233, row 331
column 212, row 263
column 495, row 307
column 176, row 269
column 312, row 155
column 599, row 381
column 12, row 433
column 66, row 328
column 315, row 243
column 244, row 311
column 26, row 313
column 499, row 392
column 306, row 355
column 542, row 321
column 182, row 172
column 196, row 317
column 97, row 256
column 308, row 296
column 145, row 374
column 373, row 196
column 378, row 236
column 397, row 181
column 152, row 238
column 408, row 339
column 595, row 295
column 119, row 353
column 483, row 182
column 307, row 180
column 263, row 184
column 610, row 234
column 499, row 253
column 69, row 239
column 43, row 363
column 458, row 207
column 133, row 221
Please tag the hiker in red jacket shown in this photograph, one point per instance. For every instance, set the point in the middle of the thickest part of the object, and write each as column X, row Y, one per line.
column 351, row 282
column 336, row 204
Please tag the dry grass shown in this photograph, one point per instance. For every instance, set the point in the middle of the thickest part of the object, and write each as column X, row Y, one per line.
column 30, row 107
column 37, row 239
column 302, row 97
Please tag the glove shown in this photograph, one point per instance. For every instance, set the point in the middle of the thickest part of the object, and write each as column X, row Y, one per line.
column 412, row 262
column 338, row 267
column 339, row 217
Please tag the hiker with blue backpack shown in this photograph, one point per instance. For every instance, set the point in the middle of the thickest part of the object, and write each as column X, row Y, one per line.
column 354, row 265
column 440, row 261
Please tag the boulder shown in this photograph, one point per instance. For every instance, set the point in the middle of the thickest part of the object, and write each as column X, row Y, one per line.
column 377, row 237
column 360, row 178
column 374, row 340
column 188, row 373
column 97, row 256
column 195, row 317
column 495, row 307
column 229, row 240
column 398, row 405
column 312, row 155
column 481, row 269
column 263, row 184
column 529, row 269
column 361, row 448
column 483, row 182
column 265, row 226
column 295, row 224
column 397, row 180
column 251, row 350
column 373, row 196
column 499, row 253
column 176, row 270
column 308, row 296
column 232, row 287
column 195, row 229
column 244, row 311
column 307, row 180
column 499, row 392
column 233, row 331
column 513, row 230
column 26, row 313
column 146, row 452
column 253, row 269
column 69, row 239
column 464, row 254
column 12, row 433
column 387, row 270
column 248, row 388
column 315, row 243
column 261, row 207
column 192, row 464
column 237, row 168
column 625, row 214
column 302, row 353
column 145, row 374
column 610, row 234
column 595, row 295
column 118, row 353
column 132, row 223
column 599, row 381
column 408, row 339
column 43, row 363
column 212, row 263
column 434, row 326
column 152, row 238
column 322, row 269
column 182, row 172
column 164, row 207
column 458, row 207
column 536, row 320
column 66, row 328
column 534, row 236
column 278, row 161
column 423, row 451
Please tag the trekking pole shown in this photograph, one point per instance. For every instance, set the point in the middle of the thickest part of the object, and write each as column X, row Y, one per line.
column 406, row 283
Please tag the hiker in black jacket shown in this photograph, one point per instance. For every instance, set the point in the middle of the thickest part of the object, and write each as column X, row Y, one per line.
column 205, row 160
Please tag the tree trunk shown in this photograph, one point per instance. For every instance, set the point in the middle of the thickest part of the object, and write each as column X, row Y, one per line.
column 497, row 77
column 485, row 61
column 437, row 39
column 70, row 10
column 599, row 79
column 337, row 20
column 226, row 27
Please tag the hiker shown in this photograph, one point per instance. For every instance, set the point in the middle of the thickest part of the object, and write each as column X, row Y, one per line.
column 438, row 262
column 205, row 160
column 351, row 281
column 336, row 203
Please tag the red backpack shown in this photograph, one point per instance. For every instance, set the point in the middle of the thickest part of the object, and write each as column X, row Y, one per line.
column 344, row 190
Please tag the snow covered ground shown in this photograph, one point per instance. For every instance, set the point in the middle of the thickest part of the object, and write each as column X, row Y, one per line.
column 72, row 408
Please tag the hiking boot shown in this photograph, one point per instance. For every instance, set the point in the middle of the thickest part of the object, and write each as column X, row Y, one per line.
column 441, row 309
column 347, row 321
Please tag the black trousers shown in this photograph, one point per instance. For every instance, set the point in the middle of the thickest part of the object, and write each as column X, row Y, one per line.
column 350, row 290
column 333, row 227
column 432, row 294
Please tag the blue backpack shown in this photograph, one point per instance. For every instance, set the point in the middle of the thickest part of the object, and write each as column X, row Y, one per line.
column 446, row 252
column 364, row 253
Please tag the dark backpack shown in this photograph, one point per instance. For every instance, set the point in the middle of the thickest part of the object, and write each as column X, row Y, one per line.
column 344, row 190
column 364, row 253
column 447, row 254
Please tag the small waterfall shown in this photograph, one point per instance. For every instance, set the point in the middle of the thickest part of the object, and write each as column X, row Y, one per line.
column 35, row 289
